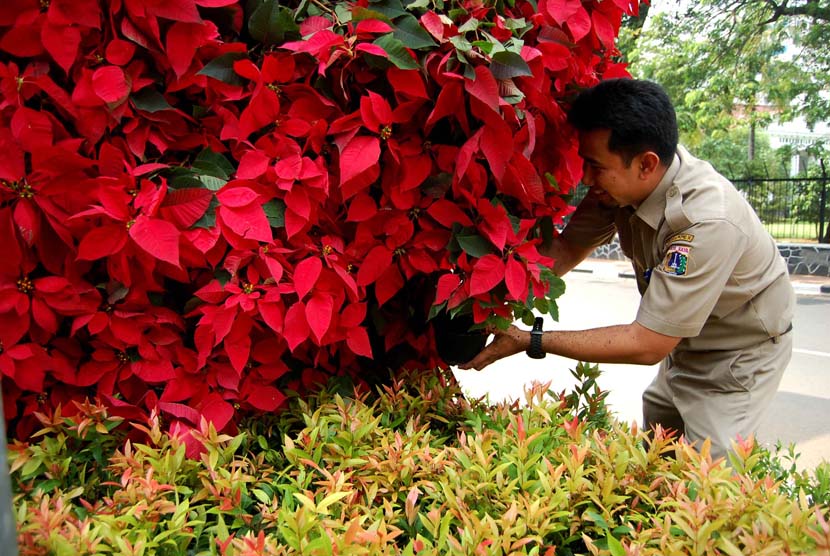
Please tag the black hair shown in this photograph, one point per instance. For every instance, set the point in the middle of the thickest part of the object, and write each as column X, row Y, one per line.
column 639, row 114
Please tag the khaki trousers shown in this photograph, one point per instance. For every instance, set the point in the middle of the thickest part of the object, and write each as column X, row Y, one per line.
column 717, row 394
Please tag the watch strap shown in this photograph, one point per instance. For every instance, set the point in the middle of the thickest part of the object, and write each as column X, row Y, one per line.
column 535, row 350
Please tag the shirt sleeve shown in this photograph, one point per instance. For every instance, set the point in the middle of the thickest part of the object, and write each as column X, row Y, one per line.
column 690, row 278
column 591, row 225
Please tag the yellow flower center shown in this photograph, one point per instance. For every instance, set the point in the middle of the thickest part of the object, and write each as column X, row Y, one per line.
column 24, row 285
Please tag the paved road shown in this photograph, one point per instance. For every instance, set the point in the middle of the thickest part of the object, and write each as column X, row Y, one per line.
column 800, row 412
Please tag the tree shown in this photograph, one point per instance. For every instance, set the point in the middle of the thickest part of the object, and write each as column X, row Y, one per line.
column 731, row 64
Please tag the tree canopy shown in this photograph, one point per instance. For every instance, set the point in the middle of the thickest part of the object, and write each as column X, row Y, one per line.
column 731, row 65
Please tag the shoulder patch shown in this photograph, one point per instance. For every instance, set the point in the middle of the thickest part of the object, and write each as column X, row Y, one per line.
column 684, row 238
column 677, row 259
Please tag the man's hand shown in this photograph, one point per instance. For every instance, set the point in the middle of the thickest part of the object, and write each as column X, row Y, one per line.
column 506, row 343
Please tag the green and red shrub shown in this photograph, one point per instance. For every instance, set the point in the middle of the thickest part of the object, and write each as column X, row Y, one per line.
column 207, row 202
column 411, row 468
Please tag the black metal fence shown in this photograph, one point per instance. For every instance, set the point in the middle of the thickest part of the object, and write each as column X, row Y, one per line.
column 794, row 209
column 791, row 209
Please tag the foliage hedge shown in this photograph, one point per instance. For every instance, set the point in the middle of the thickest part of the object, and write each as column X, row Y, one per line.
column 206, row 203
column 412, row 468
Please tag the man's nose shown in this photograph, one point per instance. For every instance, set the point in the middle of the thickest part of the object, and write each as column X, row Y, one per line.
column 587, row 176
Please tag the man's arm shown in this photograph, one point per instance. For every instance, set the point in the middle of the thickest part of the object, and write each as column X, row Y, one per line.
column 625, row 343
column 566, row 255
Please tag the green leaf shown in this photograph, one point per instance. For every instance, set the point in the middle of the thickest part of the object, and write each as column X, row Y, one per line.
column 693, row 490
column 556, row 286
column 415, row 4
column 150, row 100
column 31, row 467
column 213, row 164
column 261, row 496
column 596, row 518
column 222, row 276
column 469, row 25
column 506, row 65
column 361, row 14
column 396, row 51
column 343, row 12
column 622, row 530
column 182, row 178
column 469, row 71
column 221, row 68
column 485, row 46
column 212, row 183
column 474, row 245
column 389, row 8
column 322, row 507
column 321, row 545
column 411, row 34
column 435, row 309
column 615, row 546
column 222, row 532
column 275, row 212
column 461, row 44
column 208, row 219
column 553, row 310
column 271, row 23
column 729, row 547
column 515, row 23
column 306, row 501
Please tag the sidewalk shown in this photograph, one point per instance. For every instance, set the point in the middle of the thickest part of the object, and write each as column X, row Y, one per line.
column 608, row 269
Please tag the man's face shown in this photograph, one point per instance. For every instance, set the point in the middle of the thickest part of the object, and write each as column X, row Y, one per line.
column 612, row 181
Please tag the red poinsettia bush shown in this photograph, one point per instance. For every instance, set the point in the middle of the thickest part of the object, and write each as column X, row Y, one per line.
column 207, row 202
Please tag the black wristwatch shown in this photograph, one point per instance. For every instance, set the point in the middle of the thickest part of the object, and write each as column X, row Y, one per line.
column 535, row 350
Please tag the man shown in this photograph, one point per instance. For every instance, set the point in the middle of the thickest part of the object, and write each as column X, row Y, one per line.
column 717, row 303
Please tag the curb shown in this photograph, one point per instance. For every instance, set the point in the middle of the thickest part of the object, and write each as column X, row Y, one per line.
column 811, row 289
column 801, row 288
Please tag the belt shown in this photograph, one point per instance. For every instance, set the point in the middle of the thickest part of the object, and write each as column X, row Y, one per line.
column 776, row 339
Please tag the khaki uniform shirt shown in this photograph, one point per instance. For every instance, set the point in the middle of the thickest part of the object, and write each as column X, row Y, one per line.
column 707, row 269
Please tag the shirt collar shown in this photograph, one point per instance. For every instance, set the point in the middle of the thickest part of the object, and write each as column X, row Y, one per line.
column 652, row 209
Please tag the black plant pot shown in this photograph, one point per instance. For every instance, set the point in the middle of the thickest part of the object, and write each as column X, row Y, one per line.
column 455, row 341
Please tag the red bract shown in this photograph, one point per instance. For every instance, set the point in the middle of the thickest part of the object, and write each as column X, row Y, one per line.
column 203, row 207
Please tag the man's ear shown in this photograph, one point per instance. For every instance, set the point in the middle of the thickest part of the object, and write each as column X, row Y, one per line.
column 649, row 163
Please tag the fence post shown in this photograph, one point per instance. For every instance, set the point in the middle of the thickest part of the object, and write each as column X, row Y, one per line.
column 822, row 207
column 8, row 531
column 822, row 237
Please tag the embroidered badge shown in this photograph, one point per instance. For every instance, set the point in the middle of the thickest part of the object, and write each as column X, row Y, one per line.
column 677, row 258
column 685, row 238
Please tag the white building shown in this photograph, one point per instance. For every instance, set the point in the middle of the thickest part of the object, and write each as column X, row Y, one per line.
column 797, row 135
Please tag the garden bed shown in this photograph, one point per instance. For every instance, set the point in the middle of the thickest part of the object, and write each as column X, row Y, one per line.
column 412, row 468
